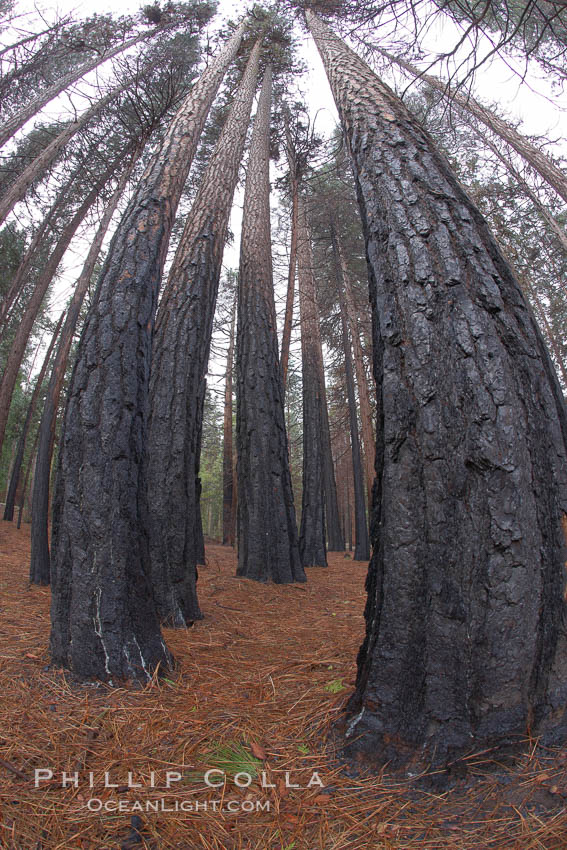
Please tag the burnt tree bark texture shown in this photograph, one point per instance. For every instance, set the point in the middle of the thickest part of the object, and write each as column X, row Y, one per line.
column 294, row 188
column 20, row 451
column 227, row 450
column 40, row 569
column 312, row 528
column 182, row 341
column 266, row 527
column 361, row 539
column 104, row 622
column 465, row 618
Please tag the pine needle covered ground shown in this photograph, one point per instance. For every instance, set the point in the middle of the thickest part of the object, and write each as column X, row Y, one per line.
column 258, row 684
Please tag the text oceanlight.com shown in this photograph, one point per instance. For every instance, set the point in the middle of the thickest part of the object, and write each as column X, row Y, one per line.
column 163, row 805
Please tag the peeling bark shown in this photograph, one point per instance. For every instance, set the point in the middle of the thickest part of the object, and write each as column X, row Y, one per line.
column 267, row 531
column 104, row 622
column 465, row 618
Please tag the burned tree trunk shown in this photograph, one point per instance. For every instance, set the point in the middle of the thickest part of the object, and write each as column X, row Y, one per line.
column 465, row 618
column 294, row 190
column 20, row 451
column 312, row 529
column 182, row 342
column 40, row 570
column 334, row 528
column 227, row 453
column 267, row 532
column 361, row 541
column 104, row 622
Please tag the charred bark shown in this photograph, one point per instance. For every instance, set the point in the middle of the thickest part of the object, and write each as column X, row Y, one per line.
column 465, row 619
column 20, row 451
column 361, row 540
column 227, row 452
column 40, row 569
column 294, row 189
column 267, row 531
column 104, row 622
column 177, row 385
column 312, row 528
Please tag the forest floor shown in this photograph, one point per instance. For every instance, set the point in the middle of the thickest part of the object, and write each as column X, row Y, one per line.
column 258, row 684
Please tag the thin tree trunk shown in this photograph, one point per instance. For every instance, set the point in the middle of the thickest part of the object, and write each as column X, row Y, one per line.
column 183, row 333
column 17, row 190
column 10, row 127
column 227, row 452
column 528, row 191
column 29, row 471
column 267, row 531
column 33, row 307
column 335, row 532
column 539, row 161
column 312, row 528
column 368, row 438
column 293, row 184
column 19, row 458
column 471, row 458
column 104, row 622
column 361, row 540
column 40, row 569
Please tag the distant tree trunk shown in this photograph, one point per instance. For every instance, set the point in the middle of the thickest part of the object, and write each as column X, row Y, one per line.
column 335, row 532
column 17, row 190
column 29, row 471
column 537, row 159
column 13, row 124
column 312, row 529
column 548, row 330
column 368, row 438
column 18, row 349
column 40, row 569
column 267, row 532
column 361, row 540
column 293, row 184
column 227, row 453
column 181, row 347
column 104, row 622
column 20, row 451
column 471, row 458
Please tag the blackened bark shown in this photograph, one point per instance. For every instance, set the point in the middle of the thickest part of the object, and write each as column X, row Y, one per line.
column 294, row 188
column 177, row 385
column 104, row 622
column 335, row 532
column 18, row 348
column 465, row 619
column 40, row 569
column 361, row 540
column 227, row 452
column 20, row 451
column 266, row 528
column 312, row 528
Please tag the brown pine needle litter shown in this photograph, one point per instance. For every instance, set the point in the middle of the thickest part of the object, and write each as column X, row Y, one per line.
column 257, row 687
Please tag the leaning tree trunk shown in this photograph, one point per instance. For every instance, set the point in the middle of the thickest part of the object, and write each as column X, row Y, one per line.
column 18, row 348
column 312, row 528
column 40, row 569
column 465, row 619
column 361, row 382
column 10, row 127
column 361, row 541
column 294, row 189
column 17, row 190
column 537, row 159
column 104, row 622
column 182, row 342
column 227, row 452
column 266, row 526
column 20, row 451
